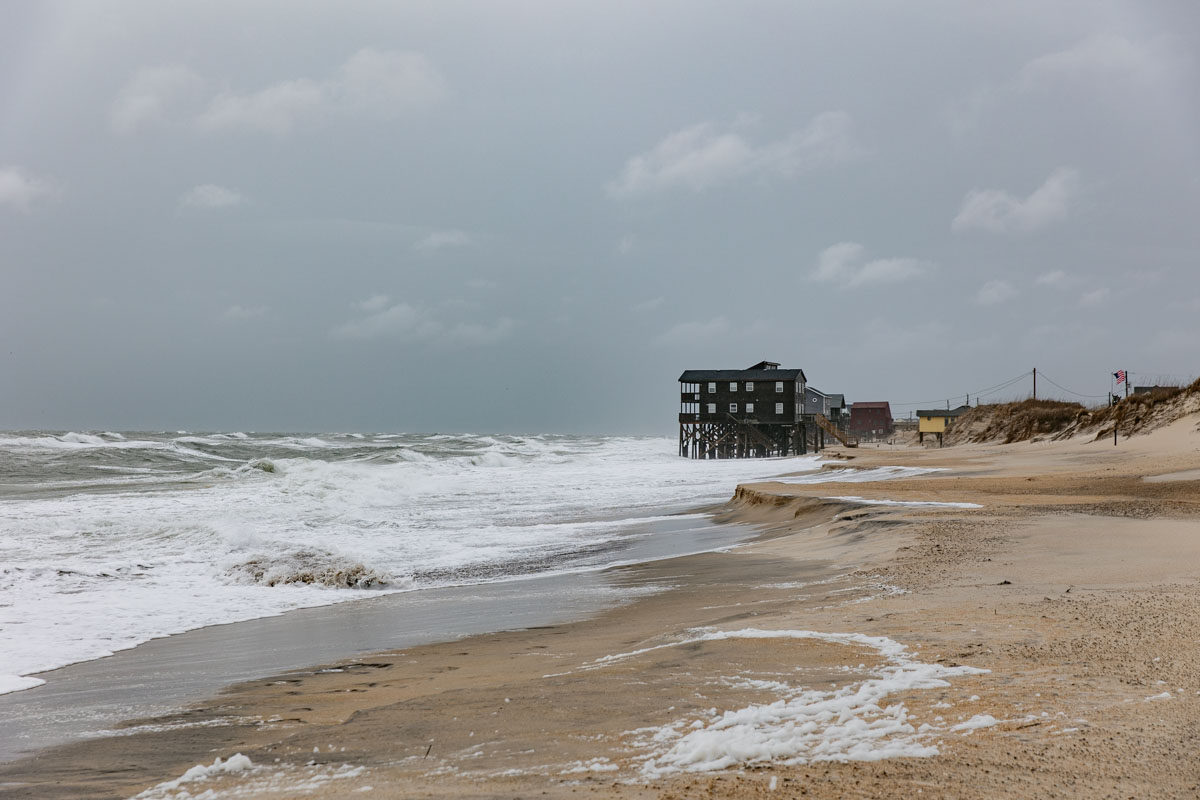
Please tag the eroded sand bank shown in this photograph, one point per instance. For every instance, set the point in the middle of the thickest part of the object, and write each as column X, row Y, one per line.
column 1046, row 647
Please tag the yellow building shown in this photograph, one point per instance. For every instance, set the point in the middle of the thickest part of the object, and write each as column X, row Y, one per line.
column 937, row 421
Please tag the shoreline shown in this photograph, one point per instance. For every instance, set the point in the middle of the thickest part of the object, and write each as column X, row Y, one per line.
column 1074, row 587
column 156, row 677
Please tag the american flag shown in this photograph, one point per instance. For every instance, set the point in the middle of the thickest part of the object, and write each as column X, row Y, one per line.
column 1120, row 376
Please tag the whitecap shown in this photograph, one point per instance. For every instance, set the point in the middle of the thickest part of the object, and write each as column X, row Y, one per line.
column 311, row 567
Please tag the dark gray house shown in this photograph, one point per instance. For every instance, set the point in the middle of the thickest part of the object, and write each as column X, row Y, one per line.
column 742, row 413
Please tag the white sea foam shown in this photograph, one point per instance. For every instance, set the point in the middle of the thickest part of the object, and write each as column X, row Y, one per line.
column 859, row 475
column 850, row 723
column 72, row 441
column 239, row 778
column 15, row 683
column 915, row 503
column 198, row 774
column 975, row 723
column 593, row 765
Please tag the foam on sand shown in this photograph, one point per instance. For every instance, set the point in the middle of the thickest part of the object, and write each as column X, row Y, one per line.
column 239, row 777
column 200, row 773
column 975, row 723
column 907, row 503
column 858, row 475
column 850, row 723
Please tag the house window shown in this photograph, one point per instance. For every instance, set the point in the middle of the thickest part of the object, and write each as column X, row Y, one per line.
column 779, row 386
column 749, row 386
column 749, row 408
column 712, row 388
column 733, row 386
column 733, row 408
column 779, row 408
column 712, row 408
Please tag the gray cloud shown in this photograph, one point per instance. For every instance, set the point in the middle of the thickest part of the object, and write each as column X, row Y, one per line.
column 459, row 193
column 995, row 292
column 1098, row 64
column 883, row 335
column 440, row 240
column 1095, row 297
column 415, row 324
column 703, row 332
column 997, row 211
column 245, row 312
column 1056, row 279
column 845, row 265
column 706, row 155
column 211, row 196
column 150, row 95
column 20, row 189
column 1107, row 57
column 371, row 82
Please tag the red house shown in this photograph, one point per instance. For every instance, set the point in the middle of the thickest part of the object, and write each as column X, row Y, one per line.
column 870, row 420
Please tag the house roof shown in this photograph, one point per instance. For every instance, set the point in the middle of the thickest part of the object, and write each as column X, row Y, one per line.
column 883, row 404
column 702, row 375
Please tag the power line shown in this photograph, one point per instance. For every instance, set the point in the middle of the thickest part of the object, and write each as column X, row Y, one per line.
column 1005, row 384
column 982, row 392
column 1068, row 391
column 1002, row 386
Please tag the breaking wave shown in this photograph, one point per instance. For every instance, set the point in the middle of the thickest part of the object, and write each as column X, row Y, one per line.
column 311, row 567
column 114, row 538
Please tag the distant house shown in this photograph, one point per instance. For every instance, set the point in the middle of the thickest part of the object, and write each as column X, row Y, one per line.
column 1153, row 389
column 871, row 420
column 831, row 406
column 839, row 415
column 937, row 421
column 742, row 413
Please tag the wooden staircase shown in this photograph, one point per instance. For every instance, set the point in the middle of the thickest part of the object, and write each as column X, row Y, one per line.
column 754, row 436
column 832, row 430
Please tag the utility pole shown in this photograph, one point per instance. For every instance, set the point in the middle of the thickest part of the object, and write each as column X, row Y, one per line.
column 1035, row 383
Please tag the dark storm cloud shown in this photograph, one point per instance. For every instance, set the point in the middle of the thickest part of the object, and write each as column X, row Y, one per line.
column 534, row 215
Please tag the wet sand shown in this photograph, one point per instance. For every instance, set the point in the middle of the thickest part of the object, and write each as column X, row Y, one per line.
column 1074, row 585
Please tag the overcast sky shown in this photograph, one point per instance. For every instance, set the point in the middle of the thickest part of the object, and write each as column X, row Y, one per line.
column 532, row 216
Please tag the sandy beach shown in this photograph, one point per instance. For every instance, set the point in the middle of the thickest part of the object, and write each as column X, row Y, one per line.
column 1036, row 638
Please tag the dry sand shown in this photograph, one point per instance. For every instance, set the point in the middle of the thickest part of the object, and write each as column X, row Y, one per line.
column 1075, row 586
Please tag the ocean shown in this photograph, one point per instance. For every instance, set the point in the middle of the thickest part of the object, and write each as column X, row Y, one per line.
column 109, row 539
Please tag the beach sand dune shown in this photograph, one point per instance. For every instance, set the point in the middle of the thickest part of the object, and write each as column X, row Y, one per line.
column 1040, row 644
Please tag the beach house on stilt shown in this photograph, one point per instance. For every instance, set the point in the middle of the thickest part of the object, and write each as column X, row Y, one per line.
column 748, row 413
